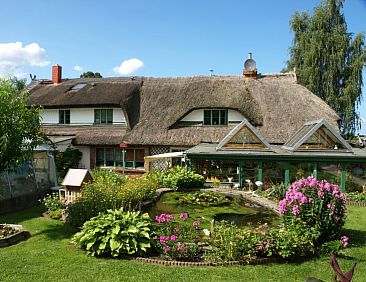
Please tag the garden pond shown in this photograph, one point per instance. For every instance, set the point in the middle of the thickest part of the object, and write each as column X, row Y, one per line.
column 206, row 206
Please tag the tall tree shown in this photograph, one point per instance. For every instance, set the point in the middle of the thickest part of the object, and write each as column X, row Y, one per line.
column 91, row 74
column 19, row 124
column 328, row 60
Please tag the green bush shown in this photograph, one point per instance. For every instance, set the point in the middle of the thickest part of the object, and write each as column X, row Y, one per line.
column 177, row 178
column 276, row 191
column 108, row 177
column 356, row 197
column 115, row 233
column 107, row 193
column 68, row 159
column 52, row 202
column 57, row 214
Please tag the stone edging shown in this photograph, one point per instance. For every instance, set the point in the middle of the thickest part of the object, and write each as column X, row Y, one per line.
column 357, row 204
column 14, row 238
column 204, row 263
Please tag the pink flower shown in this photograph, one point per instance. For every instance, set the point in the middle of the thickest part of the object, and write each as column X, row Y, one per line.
column 181, row 247
column 167, row 249
column 197, row 224
column 345, row 241
column 173, row 237
column 295, row 210
column 164, row 218
column 163, row 239
column 183, row 216
column 176, row 230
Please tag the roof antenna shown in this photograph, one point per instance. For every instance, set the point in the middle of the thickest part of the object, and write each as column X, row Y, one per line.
column 32, row 77
column 211, row 72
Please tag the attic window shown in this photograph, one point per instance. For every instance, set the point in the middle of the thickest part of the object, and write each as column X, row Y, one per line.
column 78, row 86
column 215, row 117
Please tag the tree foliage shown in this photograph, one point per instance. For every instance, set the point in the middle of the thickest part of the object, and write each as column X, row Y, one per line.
column 328, row 60
column 91, row 74
column 19, row 124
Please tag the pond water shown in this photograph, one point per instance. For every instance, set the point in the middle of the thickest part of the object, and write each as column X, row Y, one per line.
column 238, row 211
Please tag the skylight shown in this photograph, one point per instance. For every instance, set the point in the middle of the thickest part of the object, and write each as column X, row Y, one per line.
column 78, row 86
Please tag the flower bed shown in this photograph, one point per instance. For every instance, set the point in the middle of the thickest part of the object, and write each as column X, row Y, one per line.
column 11, row 234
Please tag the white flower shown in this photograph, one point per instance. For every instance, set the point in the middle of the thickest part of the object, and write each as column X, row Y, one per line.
column 207, row 232
column 259, row 183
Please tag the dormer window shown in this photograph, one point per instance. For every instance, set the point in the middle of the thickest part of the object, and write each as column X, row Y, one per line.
column 64, row 116
column 103, row 116
column 215, row 117
column 78, row 86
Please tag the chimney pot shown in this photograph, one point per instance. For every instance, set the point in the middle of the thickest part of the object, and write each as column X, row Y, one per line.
column 250, row 56
column 56, row 74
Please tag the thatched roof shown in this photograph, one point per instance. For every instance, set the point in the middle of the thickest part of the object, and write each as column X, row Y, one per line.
column 108, row 92
column 89, row 134
column 275, row 104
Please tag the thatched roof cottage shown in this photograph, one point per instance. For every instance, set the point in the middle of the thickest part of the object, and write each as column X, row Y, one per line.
column 116, row 122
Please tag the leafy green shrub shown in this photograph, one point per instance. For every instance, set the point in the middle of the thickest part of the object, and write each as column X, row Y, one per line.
column 205, row 199
column 177, row 178
column 57, row 214
column 227, row 242
column 107, row 193
column 276, row 191
column 68, row 159
column 316, row 204
column 108, row 177
column 356, row 197
column 115, row 233
column 52, row 202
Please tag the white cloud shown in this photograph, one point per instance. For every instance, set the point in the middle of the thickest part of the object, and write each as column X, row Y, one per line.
column 14, row 58
column 129, row 66
column 78, row 68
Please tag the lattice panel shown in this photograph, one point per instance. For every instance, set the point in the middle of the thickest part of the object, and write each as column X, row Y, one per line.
column 159, row 164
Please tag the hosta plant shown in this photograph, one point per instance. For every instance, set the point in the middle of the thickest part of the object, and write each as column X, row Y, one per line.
column 115, row 233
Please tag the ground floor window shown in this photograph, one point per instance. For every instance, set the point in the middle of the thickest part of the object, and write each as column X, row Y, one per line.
column 113, row 157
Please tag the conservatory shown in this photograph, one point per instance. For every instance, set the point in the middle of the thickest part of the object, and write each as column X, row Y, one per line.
column 244, row 157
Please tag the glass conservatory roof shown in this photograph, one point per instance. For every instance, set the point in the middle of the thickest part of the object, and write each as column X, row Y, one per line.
column 244, row 136
column 317, row 135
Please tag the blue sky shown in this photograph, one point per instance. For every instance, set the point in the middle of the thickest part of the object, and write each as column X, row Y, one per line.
column 164, row 38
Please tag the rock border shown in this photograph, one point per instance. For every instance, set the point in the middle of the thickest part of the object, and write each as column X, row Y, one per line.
column 21, row 235
column 208, row 263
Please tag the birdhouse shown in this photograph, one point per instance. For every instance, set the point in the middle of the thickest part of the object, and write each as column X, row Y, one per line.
column 72, row 184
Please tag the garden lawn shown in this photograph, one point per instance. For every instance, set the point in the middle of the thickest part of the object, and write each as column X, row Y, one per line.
column 48, row 255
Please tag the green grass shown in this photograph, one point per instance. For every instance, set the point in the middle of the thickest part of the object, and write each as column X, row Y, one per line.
column 48, row 256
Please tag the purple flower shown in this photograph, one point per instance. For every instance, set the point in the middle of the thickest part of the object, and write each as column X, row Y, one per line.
column 295, row 210
column 183, row 216
column 345, row 241
column 173, row 237
column 197, row 224
column 167, row 249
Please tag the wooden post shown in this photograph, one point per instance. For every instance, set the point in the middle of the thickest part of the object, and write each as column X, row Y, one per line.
column 343, row 177
column 315, row 170
column 260, row 174
column 241, row 180
column 287, row 173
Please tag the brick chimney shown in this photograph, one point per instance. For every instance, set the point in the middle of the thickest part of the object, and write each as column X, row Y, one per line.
column 56, row 74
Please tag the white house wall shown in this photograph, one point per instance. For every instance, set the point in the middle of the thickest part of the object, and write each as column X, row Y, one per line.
column 197, row 115
column 80, row 116
column 85, row 158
